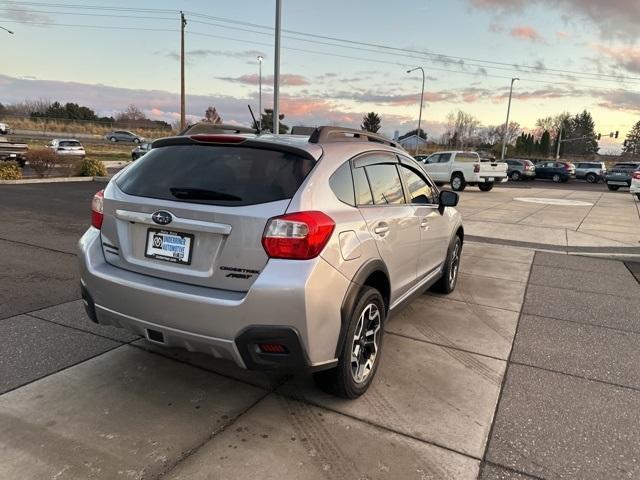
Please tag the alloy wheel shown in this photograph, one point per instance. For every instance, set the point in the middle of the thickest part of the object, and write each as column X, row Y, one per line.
column 364, row 349
column 454, row 264
column 456, row 183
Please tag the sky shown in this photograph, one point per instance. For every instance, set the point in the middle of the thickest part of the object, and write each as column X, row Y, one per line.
column 340, row 59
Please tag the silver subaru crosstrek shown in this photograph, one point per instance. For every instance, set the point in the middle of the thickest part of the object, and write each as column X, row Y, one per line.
column 271, row 251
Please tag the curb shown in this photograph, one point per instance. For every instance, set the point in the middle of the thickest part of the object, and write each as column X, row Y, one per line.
column 54, row 180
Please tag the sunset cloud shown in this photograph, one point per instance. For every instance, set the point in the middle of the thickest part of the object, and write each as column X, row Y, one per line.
column 526, row 33
column 291, row 80
column 626, row 57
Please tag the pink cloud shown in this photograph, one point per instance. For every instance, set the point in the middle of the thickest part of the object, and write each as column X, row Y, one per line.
column 561, row 34
column 624, row 56
column 526, row 33
column 289, row 79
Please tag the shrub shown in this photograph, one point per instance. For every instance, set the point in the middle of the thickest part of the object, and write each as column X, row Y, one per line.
column 41, row 160
column 10, row 171
column 90, row 167
column 68, row 165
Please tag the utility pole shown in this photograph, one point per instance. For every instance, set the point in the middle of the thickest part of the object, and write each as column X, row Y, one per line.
column 506, row 124
column 421, row 102
column 559, row 142
column 183, row 23
column 276, row 71
column 260, row 92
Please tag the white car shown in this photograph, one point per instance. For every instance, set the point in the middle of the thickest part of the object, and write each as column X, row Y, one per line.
column 464, row 168
column 4, row 129
column 635, row 184
column 67, row 147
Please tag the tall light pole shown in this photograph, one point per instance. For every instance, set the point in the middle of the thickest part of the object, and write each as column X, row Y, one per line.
column 506, row 124
column 6, row 30
column 260, row 58
column 421, row 102
column 276, row 71
column 183, row 23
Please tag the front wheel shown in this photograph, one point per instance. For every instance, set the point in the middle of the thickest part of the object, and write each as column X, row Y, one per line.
column 457, row 182
column 591, row 178
column 113, row 139
column 136, row 140
column 447, row 282
column 485, row 187
column 556, row 178
column 360, row 355
column 515, row 176
column 613, row 188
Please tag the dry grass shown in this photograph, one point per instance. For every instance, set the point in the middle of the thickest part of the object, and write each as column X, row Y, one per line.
column 71, row 128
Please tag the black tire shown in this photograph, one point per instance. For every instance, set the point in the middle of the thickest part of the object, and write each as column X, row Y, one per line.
column 340, row 380
column 448, row 281
column 113, row 139
column 591, row 178
column 638, row 196
column 564, row 179
column 556, row 178
column 457, row 182
column 515, row 176
column 613, row 188
column 485, row 187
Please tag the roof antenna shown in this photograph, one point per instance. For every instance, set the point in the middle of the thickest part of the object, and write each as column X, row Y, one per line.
column 255, row 122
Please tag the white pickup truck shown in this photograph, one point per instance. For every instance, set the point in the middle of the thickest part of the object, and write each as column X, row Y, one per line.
column 464, row 168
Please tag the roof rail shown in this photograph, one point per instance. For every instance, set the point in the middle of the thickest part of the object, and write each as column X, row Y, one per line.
column 205, row 127
column 341, row 134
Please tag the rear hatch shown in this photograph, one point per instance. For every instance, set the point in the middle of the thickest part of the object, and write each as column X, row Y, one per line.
column 622, row 171
column 70, row 147
column 493, row 169
column 195, row 213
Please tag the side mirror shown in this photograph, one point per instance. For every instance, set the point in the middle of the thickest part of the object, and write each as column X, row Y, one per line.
column 447, row 199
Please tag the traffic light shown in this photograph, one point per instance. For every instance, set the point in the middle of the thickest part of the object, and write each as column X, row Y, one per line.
column 617, row 133
column 599, row 136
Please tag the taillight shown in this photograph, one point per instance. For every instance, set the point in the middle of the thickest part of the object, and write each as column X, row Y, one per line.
column 297, row 236
column 476, row 168
column 636, row 175
column 97, row 209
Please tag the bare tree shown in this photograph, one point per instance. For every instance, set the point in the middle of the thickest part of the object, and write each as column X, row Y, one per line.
column 462, row 127
column 132, row 113
column 550, row 124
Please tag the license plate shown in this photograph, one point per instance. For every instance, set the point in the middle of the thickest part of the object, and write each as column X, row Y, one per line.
column 169, row 246
column 489, row 179
column 618, row 173
column 618, row 183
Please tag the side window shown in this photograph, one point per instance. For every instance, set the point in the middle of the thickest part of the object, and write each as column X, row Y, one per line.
column 444, row 157
column 385, row 184
column 342, row 184
column 432, row 159
column 419, row 190
column 363, row 192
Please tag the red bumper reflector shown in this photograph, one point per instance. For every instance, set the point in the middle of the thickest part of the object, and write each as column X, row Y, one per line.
column 272, row 348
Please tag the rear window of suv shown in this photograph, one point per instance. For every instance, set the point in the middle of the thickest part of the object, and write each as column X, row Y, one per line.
column 214, row 175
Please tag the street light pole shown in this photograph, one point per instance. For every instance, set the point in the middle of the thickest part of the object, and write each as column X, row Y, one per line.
column 260, row 92
column 276, row 71
column 183, row 23
column 421, row 102
column 6, row 30
column 506, row 124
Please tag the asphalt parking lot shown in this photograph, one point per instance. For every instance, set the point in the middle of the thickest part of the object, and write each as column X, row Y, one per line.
column 528, row 370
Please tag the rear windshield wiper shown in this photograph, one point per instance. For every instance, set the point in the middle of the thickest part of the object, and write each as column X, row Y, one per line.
column 187, row 193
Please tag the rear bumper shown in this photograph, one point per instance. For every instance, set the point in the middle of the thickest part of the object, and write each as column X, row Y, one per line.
column 635, row 187
column 622, row 182
column 287, row 297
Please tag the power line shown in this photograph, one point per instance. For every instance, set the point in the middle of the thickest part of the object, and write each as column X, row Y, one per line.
column 442, row 58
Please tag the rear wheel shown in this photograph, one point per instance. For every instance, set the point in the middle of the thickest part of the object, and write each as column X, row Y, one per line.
column 591, row 178
column 360, row 355
column 457, row 182
column 113, row 139
column 447, row 282
column 613, row 188
column 638, row 196
column 556, row 178
column 515, row 176
column 485, row 187
column 136, row 140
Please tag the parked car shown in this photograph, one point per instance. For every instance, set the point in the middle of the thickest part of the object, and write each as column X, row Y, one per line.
column 520, row 169
column 464, row 168
column 4, row 129
column 557, row 171
column 620, row 175
column 10, row 151
column 123, row 136
column 271, row 251
column 140, row 150
column 635, row 184
column 421, row 157
column 592, row 172
column 67, row 147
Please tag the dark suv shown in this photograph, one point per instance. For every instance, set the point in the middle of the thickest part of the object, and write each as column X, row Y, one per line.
column 620, row 175
column 555, row 170
column 520, row 169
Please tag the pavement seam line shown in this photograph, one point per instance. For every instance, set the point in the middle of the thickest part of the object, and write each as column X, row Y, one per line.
column 38, row 246
column 120, row 345
column 40, row 308
column 510, row 469
column 434, row 295
column 444, row 346
column 616, row 329
column 506, row 370
column 589, row 212
column 617, row 295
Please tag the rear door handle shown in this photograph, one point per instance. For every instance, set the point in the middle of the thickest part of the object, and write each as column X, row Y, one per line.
column 381, row 229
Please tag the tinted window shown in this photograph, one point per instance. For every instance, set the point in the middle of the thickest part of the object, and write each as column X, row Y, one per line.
column 444, row 157
column 419, row 190
column 70, row 143
column 215, row 175
column 363, row 192
column 466, row 157
column 342, row 184
column 385, row 184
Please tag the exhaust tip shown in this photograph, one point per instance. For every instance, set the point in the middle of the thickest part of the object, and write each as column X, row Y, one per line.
column 155, row 336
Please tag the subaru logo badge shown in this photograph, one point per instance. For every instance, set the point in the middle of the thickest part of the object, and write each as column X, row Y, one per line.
column 162, row 218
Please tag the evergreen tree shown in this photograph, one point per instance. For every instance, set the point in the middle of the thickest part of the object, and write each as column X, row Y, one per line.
column 267, row 121
column 545, row 143
column 632, row 143
column 371, row 122
column 582, row 129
